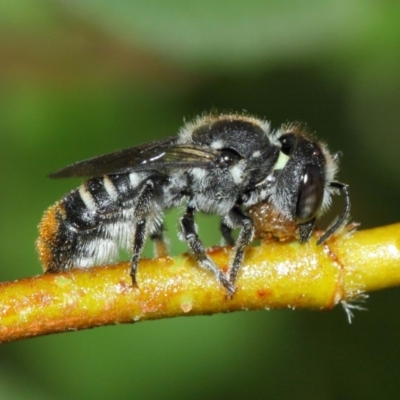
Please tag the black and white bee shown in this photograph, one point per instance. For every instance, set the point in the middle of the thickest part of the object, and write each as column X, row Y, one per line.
column 218, row 164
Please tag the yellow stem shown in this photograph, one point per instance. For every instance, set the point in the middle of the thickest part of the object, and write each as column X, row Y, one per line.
column 274, row 275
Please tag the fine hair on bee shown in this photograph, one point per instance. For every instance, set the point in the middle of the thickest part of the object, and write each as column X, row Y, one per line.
column 218, row 164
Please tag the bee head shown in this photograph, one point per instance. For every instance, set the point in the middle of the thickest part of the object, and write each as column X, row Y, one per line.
column 303, row 172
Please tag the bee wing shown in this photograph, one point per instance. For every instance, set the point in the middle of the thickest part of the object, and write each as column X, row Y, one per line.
column 163, row 154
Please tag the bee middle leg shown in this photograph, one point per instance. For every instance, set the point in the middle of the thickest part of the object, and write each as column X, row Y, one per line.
column 191, row 237
column 238, row 219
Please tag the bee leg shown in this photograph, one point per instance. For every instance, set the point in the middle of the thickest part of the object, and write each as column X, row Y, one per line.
column 305, row 231
column 145, row 200
column 239, row 219
column 226, row 231
column 160, row 246
column 342, row 220
column 138, row 245
column 189, row 232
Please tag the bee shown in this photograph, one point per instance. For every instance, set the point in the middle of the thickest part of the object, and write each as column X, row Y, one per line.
column 217, row 164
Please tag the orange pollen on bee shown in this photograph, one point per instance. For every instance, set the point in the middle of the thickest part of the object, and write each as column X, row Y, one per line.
column 48, row 229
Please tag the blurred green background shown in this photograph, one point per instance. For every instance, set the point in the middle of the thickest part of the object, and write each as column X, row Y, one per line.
column 80, row 78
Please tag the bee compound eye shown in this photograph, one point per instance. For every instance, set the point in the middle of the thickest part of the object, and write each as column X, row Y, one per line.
column 310, row 194
column 229, row 156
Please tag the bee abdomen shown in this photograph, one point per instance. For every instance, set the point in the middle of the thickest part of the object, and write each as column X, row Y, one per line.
column 97, row 201
column 55, row 243
column 86, row 226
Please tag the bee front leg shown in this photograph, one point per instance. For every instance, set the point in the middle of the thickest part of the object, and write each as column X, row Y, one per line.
column 189, row 233
column 238, row 219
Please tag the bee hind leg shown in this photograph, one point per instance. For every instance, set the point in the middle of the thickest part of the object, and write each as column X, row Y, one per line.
column 144, row 204
column 160, row 245
column 138, row 244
